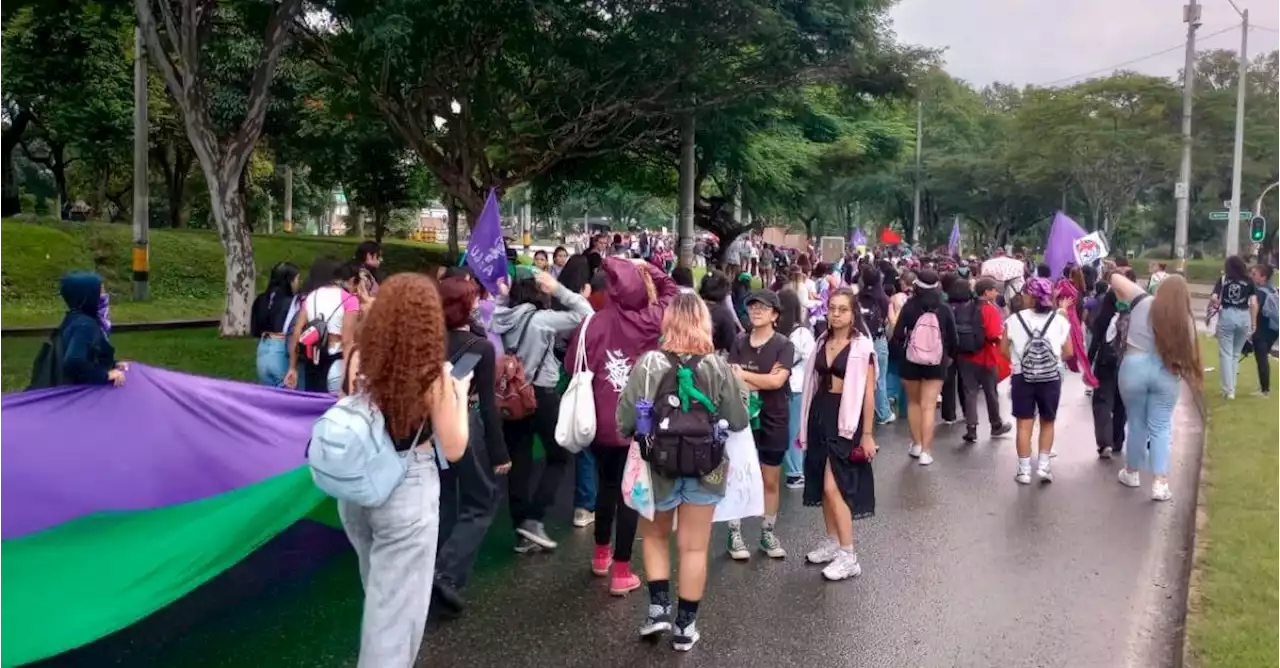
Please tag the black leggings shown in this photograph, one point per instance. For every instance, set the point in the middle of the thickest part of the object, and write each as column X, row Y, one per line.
column 527, row 500
column 611, row 461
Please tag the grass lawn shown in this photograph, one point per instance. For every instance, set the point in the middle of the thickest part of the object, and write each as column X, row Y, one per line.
column 197, row 351
column 1233, row 619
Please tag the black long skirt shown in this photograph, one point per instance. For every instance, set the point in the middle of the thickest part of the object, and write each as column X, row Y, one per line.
column 825, row 446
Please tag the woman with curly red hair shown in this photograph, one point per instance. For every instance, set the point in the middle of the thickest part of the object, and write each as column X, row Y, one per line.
column 403, row 368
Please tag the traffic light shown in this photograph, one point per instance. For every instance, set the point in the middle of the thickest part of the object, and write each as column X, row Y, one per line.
column 1258, row 229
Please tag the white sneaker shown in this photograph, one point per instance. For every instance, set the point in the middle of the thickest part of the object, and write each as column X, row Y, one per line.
column 889, row 420
column 1160, row 491
column 737, row 546
column 1023, row 476
column 1044, row 473
column 915, row 450
column 844, row 566
column 925, row 459
column 583, row 517
column 1129, row 478
column 825, row 553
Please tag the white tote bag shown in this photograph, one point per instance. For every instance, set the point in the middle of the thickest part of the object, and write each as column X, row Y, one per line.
column 576, row 424
column 744, row 486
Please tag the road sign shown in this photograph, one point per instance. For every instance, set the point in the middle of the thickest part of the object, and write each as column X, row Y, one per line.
column 1226, row 215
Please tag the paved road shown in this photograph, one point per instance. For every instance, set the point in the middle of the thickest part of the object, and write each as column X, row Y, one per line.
column 962, row 567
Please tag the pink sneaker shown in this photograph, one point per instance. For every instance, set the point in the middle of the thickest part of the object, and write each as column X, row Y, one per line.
column 602, row 560
column 623, row 580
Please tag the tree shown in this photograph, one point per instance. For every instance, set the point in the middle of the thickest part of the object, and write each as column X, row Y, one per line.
column 492, row 94
column 177, row 44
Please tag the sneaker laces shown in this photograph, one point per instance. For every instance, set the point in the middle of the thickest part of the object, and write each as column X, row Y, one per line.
column 769, row 539
column 736, row 543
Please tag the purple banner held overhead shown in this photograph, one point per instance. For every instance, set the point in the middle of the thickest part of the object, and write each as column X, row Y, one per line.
column 858, row 238
column 1058, row 249
column 953, row 244
column 160, row 439
column 486, row 253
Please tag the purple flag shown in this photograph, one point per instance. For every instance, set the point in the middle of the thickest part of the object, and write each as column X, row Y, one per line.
column 858, row 238
column 486, row 253
column 1058, row 249
column 953, row 245
column 161, row 439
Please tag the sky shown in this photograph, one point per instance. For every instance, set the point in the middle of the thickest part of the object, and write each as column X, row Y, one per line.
column 1043, row 42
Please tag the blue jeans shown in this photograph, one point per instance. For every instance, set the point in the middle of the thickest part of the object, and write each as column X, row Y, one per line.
column 584, row 480
column 1232, row 332
column 882, row 377
column 273, row 361
column 1149, row 393
column 894, row 388
column 793, row 461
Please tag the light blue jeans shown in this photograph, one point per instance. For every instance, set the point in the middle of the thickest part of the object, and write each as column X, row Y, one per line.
column 793, row 461
column 395, row 546
column 1149, row 393
column 1232, row 332
column 584, row 480
column 882, row 376
column 273, row 361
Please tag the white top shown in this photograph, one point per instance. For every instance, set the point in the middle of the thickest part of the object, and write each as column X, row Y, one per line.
column 1057, row 334
column 804, row 343
column 331, row 303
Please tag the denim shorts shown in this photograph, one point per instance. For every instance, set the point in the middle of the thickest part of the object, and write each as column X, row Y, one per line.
column 687, row 490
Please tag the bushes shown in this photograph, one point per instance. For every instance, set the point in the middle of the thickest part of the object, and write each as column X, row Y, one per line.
column 185, row 264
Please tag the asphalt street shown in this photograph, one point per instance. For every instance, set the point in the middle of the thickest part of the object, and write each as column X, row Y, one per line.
column 961, row 567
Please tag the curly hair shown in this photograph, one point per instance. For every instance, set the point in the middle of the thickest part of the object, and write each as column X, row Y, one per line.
column 402, row 350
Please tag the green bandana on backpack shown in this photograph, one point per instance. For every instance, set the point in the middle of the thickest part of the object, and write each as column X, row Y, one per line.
column 754, row 404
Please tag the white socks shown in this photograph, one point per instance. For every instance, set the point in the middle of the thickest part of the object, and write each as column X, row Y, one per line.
column 1024, row 464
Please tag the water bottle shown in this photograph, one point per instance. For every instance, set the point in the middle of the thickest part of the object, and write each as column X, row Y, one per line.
column 644, row 417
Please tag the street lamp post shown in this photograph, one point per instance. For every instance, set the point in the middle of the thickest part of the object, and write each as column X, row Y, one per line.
column 1237, row 160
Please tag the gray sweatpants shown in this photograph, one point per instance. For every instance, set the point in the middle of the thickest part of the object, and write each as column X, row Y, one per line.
column 395, row 544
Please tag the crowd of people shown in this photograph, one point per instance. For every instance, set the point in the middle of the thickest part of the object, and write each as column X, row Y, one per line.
column 808, row 355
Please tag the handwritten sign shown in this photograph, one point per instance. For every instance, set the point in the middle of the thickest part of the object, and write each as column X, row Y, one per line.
column 1089, row 249
column 744, row 488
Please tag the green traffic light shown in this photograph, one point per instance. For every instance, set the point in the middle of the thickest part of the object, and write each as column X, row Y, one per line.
column 1258, row 229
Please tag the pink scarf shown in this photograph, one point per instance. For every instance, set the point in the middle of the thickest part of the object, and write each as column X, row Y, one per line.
column 1065, row 289
column 861, row 355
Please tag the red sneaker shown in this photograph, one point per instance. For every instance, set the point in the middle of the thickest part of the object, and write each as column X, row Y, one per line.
column 623, row 580
column 602, row 560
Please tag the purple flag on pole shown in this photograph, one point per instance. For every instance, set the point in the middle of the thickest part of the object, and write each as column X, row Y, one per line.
column 858, row 238
column 1058, row 249
column 953, row 244
column 486, row 254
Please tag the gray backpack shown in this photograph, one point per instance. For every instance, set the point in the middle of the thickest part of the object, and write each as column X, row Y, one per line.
column 1039, row 360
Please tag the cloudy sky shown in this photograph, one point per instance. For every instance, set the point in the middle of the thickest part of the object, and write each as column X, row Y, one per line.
column 1044, row 41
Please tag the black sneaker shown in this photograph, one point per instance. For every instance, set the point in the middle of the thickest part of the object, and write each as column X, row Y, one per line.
column 1003, row 429
column 970, row 435
column 526, row 546
column 657, row 623
column 534, row 531
column 450, row 601
column 685, row 637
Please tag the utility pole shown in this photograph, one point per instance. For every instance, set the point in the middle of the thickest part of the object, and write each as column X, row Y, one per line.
column 688, row 165
column 141, row 187
column 288, row 199
column 915, row 212
column 1237, row 160
column 1182, row 190
column 526, row 216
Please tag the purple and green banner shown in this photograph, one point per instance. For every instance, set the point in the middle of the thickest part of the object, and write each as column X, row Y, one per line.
column 119, row 501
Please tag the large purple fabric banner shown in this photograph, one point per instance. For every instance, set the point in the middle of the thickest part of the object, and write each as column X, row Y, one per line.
column 1058, row 251
column 163, row 438
column 486, row 253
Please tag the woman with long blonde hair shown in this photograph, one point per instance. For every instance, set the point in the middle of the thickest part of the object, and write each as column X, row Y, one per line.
column 1160, row 353
column 686, row 343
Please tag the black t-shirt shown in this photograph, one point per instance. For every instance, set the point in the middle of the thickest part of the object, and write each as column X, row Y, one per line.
column 875, row 311
column 774, row 404
column 1234, row 293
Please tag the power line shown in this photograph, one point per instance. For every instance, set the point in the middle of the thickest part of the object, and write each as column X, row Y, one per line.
column 1111, row 68
column 1253, row 27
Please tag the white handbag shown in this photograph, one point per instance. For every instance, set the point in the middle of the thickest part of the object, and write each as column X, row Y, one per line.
column 576, row 424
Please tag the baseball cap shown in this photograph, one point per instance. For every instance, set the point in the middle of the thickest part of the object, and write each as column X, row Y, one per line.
column 767, row 297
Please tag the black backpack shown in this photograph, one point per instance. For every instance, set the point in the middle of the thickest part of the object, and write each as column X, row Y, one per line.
column 46, row 371
column 970, row 334
column 872, row 317
column 1121, row 342
column 682, row 443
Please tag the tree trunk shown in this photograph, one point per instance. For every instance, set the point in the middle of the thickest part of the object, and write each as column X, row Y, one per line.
column 237, row 245
column 453, row 230
column 380, row 216
column 10, row 200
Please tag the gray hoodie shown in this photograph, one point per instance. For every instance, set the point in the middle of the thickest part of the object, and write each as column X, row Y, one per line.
column 543, row 327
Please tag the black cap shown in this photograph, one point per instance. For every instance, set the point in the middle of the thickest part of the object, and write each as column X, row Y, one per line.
column 767, row 297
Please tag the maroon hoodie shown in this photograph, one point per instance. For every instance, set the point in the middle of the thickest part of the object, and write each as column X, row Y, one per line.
column 618, row 335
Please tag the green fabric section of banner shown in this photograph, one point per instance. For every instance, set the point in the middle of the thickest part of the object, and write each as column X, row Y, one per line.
column 77, row 582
